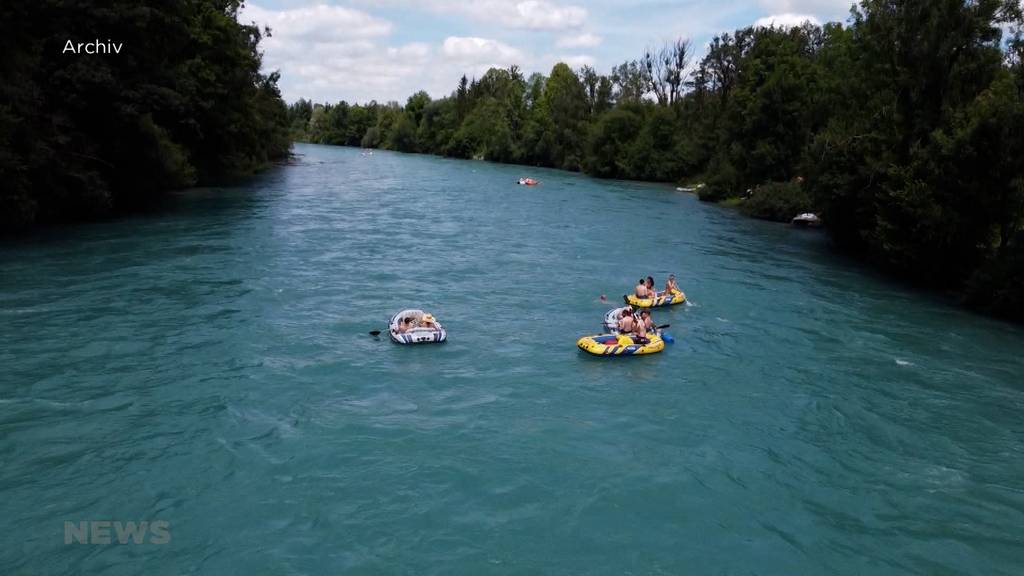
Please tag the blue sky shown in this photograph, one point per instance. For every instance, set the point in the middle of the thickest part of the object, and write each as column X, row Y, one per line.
column 359, row 50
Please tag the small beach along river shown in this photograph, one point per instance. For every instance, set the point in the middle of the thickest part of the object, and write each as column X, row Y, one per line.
column 209, row 367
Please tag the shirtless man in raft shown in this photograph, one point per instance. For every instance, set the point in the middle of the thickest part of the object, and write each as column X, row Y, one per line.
column 640, row 332
column 641, row 291
column 646, row 321
column 627, row 324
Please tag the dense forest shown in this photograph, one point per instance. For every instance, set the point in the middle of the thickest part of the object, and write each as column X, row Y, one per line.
column 182, row 102
column 903, row 128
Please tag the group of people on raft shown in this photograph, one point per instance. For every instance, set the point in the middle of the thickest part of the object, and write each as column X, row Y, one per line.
column 645, row 287
column 408, row 323
column 633, row 323
column 638, row 324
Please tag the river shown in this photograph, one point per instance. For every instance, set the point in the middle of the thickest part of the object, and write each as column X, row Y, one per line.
column 208, row 366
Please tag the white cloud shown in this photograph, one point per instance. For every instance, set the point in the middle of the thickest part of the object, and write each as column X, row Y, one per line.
column 329, row 53
column 532, row 14
column 586, row 40
column 471, row 56
column 317, row 23
column 576, row 60
column 329, row 73
column 822, row 9
column 470, row 49
column 785, row 20
column 545, row 15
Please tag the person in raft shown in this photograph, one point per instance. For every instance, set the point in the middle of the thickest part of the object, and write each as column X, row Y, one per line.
column 627, row 324
column 428, row 322
column 640, row 331
column 670, row 285
column 650, row 287
column 641, row 291
column 646, row 321
column 405, row 325
column 626, row 312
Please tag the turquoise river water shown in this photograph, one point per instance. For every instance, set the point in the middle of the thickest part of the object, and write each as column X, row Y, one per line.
column 208, row 366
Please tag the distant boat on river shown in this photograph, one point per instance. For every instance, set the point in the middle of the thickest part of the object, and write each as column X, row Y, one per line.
column 806, row 220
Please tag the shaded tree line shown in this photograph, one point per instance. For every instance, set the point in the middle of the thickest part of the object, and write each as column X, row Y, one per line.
column 86, row 135
column 903, row 128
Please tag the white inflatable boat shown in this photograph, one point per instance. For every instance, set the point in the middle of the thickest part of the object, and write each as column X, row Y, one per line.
column 419, row 333
column 611, row 320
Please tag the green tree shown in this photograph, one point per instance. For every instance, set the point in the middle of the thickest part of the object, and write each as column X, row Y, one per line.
column 565, row 104
column 765, row 124
column 415, row 105
column 403, row 134
column 609, row 141
column 631, row 81
column 437, row 126
column 84, row 136
column 916, row 68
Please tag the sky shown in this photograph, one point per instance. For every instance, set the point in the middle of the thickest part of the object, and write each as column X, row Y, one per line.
column 384, row 50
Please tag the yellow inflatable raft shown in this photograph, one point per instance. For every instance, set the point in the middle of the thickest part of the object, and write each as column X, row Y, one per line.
column 618, row 345
column 662, row 299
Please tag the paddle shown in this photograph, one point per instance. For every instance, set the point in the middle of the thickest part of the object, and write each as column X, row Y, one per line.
column 374, row 333
column 646, row 340
column 662, row 327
